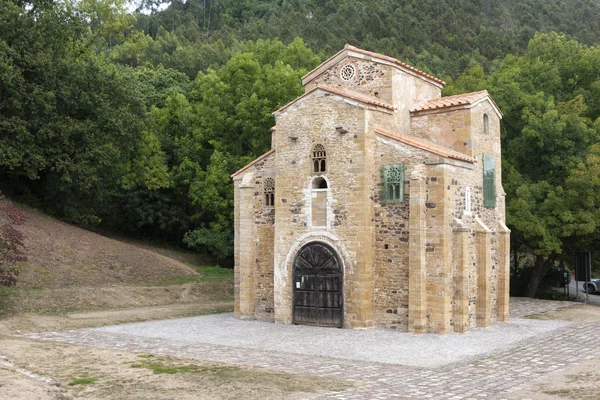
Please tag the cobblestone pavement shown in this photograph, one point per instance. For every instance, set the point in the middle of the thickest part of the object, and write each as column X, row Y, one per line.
column 491, row 376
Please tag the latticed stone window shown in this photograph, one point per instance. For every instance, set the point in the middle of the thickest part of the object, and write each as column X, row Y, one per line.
column 347, row 72
column 393, row 184
column 269, row 190
column 319, row 158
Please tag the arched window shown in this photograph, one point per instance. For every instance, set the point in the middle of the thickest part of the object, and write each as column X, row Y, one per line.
column 319, row 183
column 269, row 190
column 319, row 188
column 319, row 158
column 485, row 124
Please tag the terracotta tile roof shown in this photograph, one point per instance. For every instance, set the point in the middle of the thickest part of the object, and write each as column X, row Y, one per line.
column 245, row 167
column 382, row 57
column 426, row 145
column 340, row 92
column 452, row 101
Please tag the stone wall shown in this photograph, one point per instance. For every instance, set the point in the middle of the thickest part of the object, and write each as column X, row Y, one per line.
column 348, row 206
column 449, row 128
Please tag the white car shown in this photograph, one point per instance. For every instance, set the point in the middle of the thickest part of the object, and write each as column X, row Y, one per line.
column 592, row 286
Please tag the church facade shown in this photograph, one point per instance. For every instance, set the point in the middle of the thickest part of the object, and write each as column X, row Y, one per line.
column 380, row 204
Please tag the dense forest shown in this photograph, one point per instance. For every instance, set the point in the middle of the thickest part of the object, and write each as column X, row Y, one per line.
column 133, row 121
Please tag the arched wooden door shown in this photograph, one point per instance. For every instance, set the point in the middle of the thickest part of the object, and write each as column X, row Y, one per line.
column 318, row 286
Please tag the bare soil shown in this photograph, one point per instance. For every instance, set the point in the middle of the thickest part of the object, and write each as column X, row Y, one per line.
column 43, row 370
column 63, row 256
column 109, row 374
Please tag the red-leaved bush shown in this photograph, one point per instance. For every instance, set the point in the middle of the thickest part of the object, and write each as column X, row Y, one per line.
column 12, row 249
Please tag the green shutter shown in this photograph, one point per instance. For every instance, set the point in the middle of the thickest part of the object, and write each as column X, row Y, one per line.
column 384, row 184
column 489, row 180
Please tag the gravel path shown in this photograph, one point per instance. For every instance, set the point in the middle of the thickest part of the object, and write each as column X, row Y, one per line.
column 375, row 345
column 484, row 363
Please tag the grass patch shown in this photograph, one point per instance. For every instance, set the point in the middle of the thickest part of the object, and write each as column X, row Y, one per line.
column 83, row 381
column 159, row 367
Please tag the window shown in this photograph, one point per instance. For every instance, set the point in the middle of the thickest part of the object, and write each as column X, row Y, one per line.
column 269, row 190
column 468, row 199
column 489, row 180
column 319, row 183
column 393, row 183
column 347, row 72
column 485, row 124
column 318, row 202
column 319, row 156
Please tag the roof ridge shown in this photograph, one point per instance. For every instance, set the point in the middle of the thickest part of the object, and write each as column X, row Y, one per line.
column 340, row 92
column 378, row 55
column 353, row 94
column 455, row 100
column 427, row 145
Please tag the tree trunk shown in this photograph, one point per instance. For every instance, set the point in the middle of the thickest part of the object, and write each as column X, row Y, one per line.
column 540, row 270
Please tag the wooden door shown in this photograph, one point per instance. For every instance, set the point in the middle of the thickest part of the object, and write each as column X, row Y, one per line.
column 318, row 286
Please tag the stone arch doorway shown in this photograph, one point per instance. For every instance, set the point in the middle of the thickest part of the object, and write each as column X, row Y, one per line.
column 318, row 286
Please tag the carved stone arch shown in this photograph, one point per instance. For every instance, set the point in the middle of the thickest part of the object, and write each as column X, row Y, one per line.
column 327, row 238
column 283, row 279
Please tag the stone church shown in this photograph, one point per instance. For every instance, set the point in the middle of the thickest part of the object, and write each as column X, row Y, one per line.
column 380, row 204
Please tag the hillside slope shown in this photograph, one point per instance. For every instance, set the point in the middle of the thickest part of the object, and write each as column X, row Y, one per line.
column 62, row 255
column 71, row 269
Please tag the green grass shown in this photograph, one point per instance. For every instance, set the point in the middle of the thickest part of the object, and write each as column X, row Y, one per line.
column 159, row 367
column 83, row 381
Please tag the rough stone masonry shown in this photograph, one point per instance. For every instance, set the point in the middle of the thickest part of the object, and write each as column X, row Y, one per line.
column 380, row 204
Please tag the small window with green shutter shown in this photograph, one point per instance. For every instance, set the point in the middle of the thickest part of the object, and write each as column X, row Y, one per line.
column 489, row 180
column 393, row 184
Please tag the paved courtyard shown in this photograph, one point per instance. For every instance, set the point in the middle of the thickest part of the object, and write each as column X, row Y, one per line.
column 485, row 363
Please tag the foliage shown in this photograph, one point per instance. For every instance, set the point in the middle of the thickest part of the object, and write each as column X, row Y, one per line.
column 550, row 135
column 442, row 37
column 12, row 249
column 136, row 121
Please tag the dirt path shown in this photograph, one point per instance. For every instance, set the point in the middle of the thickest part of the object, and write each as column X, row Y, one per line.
column 36, row 370
column 31, row 322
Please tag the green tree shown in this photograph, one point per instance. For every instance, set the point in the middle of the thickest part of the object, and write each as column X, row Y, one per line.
column 550, row 136
column 232, row 115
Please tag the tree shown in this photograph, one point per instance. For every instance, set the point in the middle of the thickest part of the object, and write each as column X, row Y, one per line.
column 230, row 121
column 550, row 136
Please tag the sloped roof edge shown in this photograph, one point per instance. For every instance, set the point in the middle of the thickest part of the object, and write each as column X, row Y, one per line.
column 260, row 158
column 465, row 100
column 339, row 92
column 325, row 64
column 426, row 145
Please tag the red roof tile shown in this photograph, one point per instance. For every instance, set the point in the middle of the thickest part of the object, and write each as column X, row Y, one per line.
column 452, row 101
column 340, row 92
column 382, row 57
column 426, row 145
column 245, row 167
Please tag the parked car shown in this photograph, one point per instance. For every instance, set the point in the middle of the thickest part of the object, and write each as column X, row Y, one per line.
column 592, row 286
